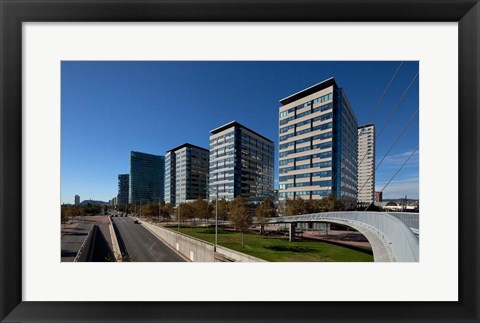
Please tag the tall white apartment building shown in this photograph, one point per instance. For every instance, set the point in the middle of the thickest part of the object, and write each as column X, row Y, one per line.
column 366, row 165
column 318, row 144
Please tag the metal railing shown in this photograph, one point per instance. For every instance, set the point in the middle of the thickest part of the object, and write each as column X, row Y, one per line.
column 393, row 231
column 410, row 219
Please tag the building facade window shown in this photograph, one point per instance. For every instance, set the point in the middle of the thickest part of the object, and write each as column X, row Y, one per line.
column 241, row 163
column 318, row 137
column 189, row 169
column 147, row 178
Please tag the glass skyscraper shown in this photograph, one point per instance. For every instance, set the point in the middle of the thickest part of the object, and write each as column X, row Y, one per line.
column 318, row 144
column 186, row 174
column 170, row 178
column 147, row 176
column 241, row 163
column 123, row 184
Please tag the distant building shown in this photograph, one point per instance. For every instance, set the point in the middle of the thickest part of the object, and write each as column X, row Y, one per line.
column 123, row 189
column 77, row 199
column 378, row 196
column 147, row 176
column 366, row 165
column 398, row 206
column 241, row 163
column 186, row 174
column 276, row 199
column 113, row 202
column 91, row 202
column 318, row 144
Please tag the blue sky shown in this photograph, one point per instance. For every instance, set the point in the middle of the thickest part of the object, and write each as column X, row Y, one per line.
column 111, row 108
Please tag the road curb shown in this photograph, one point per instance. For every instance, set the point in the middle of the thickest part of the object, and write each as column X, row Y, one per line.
column 116, row 246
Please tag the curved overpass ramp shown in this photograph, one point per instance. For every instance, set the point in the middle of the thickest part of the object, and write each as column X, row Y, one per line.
column 392, row 239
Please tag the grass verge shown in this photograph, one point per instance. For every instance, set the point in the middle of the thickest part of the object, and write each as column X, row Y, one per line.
column 272, row 248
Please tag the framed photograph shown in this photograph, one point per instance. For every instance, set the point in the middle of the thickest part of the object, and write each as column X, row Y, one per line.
column 244, row 161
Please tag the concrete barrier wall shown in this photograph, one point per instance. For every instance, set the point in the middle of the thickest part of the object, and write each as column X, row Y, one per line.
column 84, row 251
column 113, row 236
column 237, row 256
column 191, row 248
column 195, row 249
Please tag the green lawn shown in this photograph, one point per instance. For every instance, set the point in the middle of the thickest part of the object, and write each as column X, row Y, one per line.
column 273, row 248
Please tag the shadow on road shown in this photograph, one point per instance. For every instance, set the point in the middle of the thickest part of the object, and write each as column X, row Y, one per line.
column 101, row 251
column 66, row 253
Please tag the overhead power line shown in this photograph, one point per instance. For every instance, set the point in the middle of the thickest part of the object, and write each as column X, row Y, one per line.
column 375, row 107
column 398, row 171
column 397, row 104
column 398, row 137
column 383, row 94
column 392, row 145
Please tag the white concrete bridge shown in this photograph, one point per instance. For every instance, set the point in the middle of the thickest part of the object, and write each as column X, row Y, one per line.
column 393, row 236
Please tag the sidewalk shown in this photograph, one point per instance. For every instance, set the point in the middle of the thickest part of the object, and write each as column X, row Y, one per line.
column 341, row 237
column 349, row 238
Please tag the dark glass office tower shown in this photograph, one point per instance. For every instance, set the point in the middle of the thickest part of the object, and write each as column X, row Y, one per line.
column 186, row 174
column 147, row 176
column 241, row 163
column 123, row 184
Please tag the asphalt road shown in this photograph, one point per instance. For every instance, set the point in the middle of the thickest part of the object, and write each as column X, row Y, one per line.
column 141, row 245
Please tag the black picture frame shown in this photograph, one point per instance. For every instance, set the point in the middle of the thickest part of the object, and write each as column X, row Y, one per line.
column 14, row 12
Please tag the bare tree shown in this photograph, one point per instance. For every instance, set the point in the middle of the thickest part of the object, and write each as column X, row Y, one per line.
column 326, row 204
column 187, row 212
column 150, row 210
column 168, row 211
column 297, row 206
column 202, row 209
column 240, row 216
column 263, row 212
column 223, row 209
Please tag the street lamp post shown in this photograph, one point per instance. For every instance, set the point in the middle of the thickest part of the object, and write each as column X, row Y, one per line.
column 178, row 218
column 216, row 220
